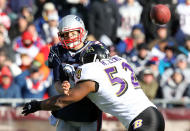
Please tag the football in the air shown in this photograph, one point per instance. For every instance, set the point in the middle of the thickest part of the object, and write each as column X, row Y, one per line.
column 160, row 14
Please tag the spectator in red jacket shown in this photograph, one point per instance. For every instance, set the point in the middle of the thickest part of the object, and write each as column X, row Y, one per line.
column 8, row 88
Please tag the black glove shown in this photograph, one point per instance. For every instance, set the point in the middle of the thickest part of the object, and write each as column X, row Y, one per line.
column 31, row 107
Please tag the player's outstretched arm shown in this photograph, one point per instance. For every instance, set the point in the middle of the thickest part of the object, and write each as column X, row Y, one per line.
column 80, row 90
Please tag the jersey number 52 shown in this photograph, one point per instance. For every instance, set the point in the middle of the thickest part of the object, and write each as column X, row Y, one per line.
column 117, row 80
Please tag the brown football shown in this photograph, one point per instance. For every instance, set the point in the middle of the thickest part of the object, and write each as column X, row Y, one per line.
column 160, row 14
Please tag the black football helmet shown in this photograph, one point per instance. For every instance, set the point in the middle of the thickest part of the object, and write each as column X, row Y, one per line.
column 94, row 52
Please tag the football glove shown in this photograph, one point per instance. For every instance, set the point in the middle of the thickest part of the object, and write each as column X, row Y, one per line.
column 69, row 70
column 31, row 107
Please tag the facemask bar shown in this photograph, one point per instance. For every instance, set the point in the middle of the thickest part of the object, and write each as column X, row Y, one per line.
column 71, row 43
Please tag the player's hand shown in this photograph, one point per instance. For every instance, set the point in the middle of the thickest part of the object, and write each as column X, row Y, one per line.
column 66, row 86
column 31, row 107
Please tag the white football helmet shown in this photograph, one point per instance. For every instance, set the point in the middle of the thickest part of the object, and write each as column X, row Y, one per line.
column 71, row 23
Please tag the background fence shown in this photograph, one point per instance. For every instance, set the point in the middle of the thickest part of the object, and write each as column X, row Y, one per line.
column 177, row 119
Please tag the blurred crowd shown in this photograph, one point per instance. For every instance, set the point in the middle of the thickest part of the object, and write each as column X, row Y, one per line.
column 159, row 55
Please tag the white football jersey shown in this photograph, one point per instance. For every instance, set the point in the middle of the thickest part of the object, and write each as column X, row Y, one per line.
column 130, row 15
column 184, row 17
column 119, row 92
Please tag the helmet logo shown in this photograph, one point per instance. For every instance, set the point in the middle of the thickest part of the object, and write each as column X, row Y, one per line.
column 78, row 19
column 91, row 49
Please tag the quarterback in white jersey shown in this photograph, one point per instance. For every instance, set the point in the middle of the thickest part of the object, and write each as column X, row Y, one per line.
column 111, row 84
